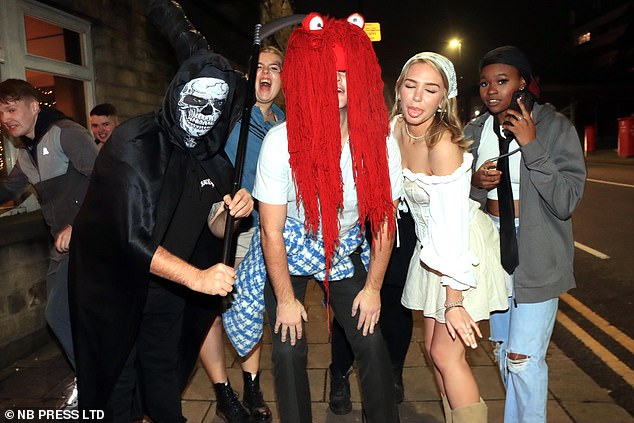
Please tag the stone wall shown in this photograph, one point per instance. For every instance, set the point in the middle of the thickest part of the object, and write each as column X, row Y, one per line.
column 24, row 253
column 133, row 63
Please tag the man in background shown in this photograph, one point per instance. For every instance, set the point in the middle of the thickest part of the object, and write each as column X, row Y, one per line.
column 103, row 120
column 56, row 157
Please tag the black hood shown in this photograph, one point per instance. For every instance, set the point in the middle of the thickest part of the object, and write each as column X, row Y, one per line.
column 203, row 63
column 46, row 117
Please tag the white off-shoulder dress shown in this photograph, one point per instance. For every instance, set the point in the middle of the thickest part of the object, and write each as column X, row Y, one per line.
column 458, row 246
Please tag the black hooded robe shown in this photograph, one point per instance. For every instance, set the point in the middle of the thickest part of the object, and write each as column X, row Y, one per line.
column 136, row 188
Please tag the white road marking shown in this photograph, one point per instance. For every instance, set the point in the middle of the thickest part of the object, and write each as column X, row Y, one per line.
column 592, row 251
column 599, row 350
column 618, row 184
column 600, row 322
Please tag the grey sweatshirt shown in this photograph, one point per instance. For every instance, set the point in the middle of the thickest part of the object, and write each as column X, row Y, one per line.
column 552, row 179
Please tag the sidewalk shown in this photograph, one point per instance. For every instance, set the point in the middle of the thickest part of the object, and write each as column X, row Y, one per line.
column 38, row 381
column 609, row 156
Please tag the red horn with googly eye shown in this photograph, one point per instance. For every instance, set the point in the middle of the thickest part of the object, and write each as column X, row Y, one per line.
column 313, row 22
column 357, row 19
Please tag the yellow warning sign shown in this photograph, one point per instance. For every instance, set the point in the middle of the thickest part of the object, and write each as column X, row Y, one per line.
column 373, row 29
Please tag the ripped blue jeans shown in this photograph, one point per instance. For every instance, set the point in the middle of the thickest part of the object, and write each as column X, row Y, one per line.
column 525, row 330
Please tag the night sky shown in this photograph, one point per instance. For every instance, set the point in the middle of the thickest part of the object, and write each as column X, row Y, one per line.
column 541, row 28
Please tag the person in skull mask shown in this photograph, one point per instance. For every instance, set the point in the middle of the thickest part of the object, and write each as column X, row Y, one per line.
column 141, row 250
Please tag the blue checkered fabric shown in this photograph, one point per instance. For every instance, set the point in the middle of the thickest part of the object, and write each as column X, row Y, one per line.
column 243, row 320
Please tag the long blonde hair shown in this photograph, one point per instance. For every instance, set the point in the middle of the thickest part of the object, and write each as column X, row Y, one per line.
column 446, row 119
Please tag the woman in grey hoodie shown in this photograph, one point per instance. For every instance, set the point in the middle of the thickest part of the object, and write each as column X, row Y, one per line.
column 545, row 173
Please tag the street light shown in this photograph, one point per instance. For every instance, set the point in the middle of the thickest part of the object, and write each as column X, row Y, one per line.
column 454, row 44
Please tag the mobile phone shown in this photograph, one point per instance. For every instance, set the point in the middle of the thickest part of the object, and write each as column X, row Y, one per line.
column 527, row 97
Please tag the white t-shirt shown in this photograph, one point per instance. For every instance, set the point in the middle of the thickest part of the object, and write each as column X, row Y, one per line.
column 274, row 180
column 489, row 148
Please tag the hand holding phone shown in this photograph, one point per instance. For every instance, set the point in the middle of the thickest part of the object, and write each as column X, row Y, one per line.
column 527, row 98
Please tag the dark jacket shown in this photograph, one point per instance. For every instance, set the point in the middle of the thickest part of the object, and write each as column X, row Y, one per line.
column 137, row 186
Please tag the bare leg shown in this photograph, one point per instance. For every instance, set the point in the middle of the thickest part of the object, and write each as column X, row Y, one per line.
column 212, row 354
column 429, row 326
column 251, row 363
column 449, row 359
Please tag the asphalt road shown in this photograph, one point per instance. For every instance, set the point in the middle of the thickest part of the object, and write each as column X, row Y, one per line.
column 596, row 324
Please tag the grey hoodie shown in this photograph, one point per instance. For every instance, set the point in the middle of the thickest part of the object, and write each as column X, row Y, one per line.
column 552, row 179
column 59, row 168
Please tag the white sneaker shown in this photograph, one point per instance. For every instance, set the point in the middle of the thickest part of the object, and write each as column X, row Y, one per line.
column 72, row 396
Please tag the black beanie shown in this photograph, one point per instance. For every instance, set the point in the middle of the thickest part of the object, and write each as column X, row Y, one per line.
column 509, row 55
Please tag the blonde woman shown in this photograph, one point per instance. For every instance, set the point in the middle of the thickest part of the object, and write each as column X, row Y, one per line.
column 454, row 276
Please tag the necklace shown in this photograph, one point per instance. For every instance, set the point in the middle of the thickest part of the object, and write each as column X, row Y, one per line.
column 419, row 137
column 412, row 137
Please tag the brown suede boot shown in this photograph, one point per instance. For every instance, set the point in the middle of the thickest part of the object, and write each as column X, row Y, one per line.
column 472, row 413
column 446, row 408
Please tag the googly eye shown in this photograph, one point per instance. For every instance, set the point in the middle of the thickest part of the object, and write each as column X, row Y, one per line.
column 313, row 22
column 356, row 19
column 316, row 23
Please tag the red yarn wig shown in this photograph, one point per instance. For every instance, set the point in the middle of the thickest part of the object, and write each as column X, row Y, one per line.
column 309, row 81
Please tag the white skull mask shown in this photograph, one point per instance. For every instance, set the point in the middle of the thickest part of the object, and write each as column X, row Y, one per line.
column 200, row 105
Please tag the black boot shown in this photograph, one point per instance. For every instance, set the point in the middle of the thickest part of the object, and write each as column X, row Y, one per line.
column 228, row 406
column 339, row 392
column 254, row 401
